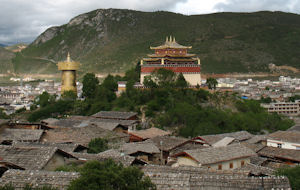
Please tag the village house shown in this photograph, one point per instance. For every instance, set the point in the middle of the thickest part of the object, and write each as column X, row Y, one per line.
column 239, row 136
column 145, row 151
column 172, row 145
column 280, row 155
column 284, row 140
column 22, row 135
column 38, row 179
column 83, row 135
column 35, row 158
column 141, row 135
column 220, row 158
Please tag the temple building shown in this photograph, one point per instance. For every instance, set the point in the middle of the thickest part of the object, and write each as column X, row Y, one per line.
column 68, row 75
column 175, row 57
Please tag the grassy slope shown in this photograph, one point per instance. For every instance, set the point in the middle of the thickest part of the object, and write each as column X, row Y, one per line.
column 225, row 42
column 5, row 60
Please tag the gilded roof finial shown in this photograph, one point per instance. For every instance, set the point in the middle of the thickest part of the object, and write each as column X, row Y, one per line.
column 174, row 39
column 68, row 57
column 170, row 39
column 167, row 39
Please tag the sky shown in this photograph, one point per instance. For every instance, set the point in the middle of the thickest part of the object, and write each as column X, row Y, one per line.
column 24, row 20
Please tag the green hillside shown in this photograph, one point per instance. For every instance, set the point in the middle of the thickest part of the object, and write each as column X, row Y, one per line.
column 114, row 40
column 5, row 61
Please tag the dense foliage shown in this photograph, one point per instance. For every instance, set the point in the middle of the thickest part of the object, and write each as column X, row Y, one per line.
column 97, row 145
column 170, row 104
column 293, row 175
column 109, row 175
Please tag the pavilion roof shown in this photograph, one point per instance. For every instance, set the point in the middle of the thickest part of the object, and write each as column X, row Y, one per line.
column 171, row 44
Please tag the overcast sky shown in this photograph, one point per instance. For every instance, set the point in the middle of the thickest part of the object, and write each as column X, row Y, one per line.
column 24, row 20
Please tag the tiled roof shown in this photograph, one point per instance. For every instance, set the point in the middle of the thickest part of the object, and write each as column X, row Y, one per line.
column 286, row 136
column 28, row 157
column 21, row 135
column 149, row 133
column 257, row 160
column 171, row 44
column 279, row 153
column 256, row 170
column 254, row 147
column 145, row 146
column 240, row 136
column 49, row 121
column 214, row 155
column 82, row 135
column 114, row 114
column 256, row 139
column 67, row 147
column 294, row 128
column 168, row 143
column 19, row 178
column 109, row 154
column 223, row 142
column 168, row 178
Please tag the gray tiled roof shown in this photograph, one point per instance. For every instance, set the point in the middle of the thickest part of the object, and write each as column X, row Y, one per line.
column 254, row 147
column 19, row 178
column 67, row 147
column 256, row 170
column 149, row 133
column 109, row 154
column 294, row 128
column 28, row 157
column 285, row 136
column 192, row 178
column 114, row 114
column 256, row 139
column 145, row 146
column 168, row 143
column 82, row 121
column 82, row 135
column 273, row 152
column 240, row 136
column 21, row 135
column 215, row 155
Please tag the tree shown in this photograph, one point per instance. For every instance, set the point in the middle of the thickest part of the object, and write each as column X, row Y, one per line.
column 109, row 175
column 97, row 145
column 45, row 99
column 90, row 83
column 293, row 175
column 211, row 83
column 181, row 82
column 69, row 95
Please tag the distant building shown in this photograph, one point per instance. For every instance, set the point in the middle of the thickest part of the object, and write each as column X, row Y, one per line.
column 68, row 77
column 174, row 57
column 284, row 140
column 285, row 108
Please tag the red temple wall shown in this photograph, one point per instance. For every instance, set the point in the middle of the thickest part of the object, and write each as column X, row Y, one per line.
column 174, row 69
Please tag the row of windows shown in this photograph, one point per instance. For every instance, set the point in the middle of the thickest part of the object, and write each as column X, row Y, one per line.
column 289, row 108
column 286, row 111
column 286, row 105
column 220, row 166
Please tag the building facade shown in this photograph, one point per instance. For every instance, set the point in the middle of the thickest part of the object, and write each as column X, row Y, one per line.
column 285, row 108
column 174, row 57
